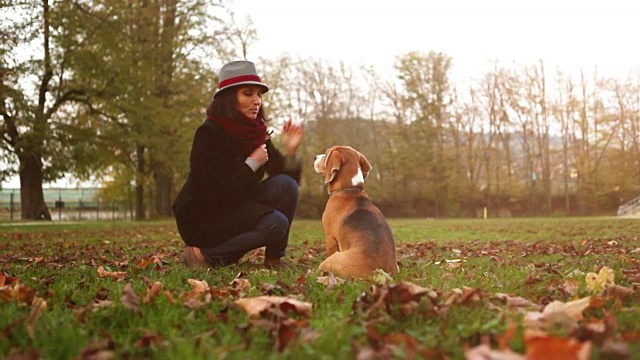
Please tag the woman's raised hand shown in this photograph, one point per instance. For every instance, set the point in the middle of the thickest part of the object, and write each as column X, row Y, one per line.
column 291, row 137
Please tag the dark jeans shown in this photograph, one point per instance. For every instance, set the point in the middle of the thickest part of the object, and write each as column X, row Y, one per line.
column 279, row 192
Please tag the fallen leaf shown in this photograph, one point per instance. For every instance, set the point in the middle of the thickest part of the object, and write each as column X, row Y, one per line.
column 130, row 299
column 20, row 293
column 462, row 296
column 517, row 302
column 99, row 304
column 541, row 346
column 239, row 286
column 632, row 275
column 484, row 352
column 330, row 281
column 371, row 353
column 169, row 297
column 152, row 292
column 37, row 307
column 597, row 282
column 150, row 338
column 287, row 333
column 571, row 286
column 509, row 334
column 198, row 286
column 254, row 306
column 118, row 275
column 631, row 336
column 617, row 292
column 572, row 308
column 616, row 348
column 98, row 350
column 156, row 259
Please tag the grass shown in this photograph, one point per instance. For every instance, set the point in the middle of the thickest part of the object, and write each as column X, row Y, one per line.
column 459, row 304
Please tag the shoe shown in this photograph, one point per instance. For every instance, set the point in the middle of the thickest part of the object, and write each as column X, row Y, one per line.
column 191, row 260
column 276, row 264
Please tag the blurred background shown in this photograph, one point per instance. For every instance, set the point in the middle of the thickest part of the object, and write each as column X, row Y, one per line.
column 464, row 108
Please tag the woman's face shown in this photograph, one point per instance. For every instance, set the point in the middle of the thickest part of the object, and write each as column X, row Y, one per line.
column 249, row 100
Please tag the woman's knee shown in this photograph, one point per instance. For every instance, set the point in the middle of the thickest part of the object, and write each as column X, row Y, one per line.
column 275, row 225
column 288, row 185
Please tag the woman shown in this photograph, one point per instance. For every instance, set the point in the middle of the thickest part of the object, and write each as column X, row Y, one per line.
column 225, row 209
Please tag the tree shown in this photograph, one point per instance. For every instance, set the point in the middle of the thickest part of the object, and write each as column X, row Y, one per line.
column 38, row 44
column 428, row 95
column 152, row 53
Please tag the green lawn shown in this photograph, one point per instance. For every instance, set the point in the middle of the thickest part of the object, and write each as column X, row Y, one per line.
column 118, row 290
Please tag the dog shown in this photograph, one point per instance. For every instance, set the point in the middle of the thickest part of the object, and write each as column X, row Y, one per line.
column 358, row 238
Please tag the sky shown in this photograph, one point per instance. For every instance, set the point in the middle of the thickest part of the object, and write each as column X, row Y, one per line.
column 566, row 34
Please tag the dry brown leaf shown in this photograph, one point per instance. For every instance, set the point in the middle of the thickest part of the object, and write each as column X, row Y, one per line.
column 615, row 348
column 484, row 352
column 330, row 281
column 150, row 338
column 370, row 353
column 631, row 336
column 129, row 298
column 632, row 275
column 14, row 290
column 557, row 311
column 193, row 303
column 571, row 286
column 287, row 333
column 38, row 306
column 118, row 275
column 169, row 297
column 198, row 286
column 572, row 308
column 415, row 290
column 98, row 350
column 254, row 306
column 152, row 292
column 617, row 291
column 239, row 286
column 462, row 296
column 470, row 294
column 517, row 302
column 541, row 346
column 509, row 334
column 155, row 259
column 99, row 304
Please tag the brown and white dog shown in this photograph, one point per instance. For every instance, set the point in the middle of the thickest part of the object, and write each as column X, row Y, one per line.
column 358, row 239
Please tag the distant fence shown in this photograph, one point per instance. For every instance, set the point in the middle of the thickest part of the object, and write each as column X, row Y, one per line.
column 66, row 205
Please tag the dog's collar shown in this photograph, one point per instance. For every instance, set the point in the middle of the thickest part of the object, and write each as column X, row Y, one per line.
column 351, row 189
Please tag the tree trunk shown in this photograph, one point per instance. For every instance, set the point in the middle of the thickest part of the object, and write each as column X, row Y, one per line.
column 140, row 210
column 164, row 194
column 31, row 194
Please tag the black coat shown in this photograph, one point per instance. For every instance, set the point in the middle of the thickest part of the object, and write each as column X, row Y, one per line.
column 217, row 202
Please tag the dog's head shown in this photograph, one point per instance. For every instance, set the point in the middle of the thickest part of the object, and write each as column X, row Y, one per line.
column 343, row 167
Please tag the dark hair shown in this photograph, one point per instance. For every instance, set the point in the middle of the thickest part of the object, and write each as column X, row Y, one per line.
column 225, row 105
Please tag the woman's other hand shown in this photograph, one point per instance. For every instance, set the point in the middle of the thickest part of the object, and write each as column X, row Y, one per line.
column 260, row 154
column 291, row 137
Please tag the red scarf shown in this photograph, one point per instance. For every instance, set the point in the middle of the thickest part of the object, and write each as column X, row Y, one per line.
column 249, row 134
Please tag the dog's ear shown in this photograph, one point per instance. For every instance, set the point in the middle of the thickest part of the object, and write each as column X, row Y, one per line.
column 364, row 165
column 332, row 165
